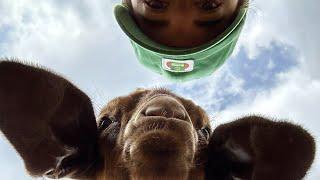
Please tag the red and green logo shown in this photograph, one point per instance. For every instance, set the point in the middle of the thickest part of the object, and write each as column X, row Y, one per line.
column 177, row 65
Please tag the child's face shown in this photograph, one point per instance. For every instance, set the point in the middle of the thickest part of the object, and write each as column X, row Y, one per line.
column 184, row 23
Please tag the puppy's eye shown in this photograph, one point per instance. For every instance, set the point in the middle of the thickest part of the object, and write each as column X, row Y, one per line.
column 105, row 122
column 206, row 131
column 157, row 4
column 208, row 5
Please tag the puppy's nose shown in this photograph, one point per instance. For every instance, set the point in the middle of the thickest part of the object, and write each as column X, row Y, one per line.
column 165, row 106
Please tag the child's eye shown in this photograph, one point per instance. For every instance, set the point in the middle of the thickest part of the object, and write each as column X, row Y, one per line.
column 208, row 5
column 157, row 4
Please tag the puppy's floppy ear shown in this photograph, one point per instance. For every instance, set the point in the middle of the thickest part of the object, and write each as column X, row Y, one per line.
column 48, row 120
column 259, row 149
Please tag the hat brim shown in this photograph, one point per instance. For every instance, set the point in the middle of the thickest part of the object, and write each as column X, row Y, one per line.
column 129, row 26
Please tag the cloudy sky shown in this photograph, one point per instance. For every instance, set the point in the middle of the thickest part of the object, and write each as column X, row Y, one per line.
column 273, row 72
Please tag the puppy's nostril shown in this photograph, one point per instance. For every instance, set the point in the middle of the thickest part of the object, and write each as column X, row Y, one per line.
column 169, row 112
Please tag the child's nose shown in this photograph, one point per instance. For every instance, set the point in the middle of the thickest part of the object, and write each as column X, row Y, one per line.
column 182, row 24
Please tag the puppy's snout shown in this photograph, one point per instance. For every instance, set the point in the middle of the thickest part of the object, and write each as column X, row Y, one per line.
column 166, row 107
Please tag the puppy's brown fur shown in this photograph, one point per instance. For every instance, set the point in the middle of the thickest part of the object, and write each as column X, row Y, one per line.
column 148, row 134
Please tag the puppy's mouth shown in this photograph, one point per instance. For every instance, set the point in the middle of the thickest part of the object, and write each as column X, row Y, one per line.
column 160, row 136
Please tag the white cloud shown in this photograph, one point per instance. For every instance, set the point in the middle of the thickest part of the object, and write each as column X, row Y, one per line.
column 81, row 40
column 291, row 22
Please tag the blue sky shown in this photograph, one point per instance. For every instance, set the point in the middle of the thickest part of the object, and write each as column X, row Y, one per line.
column 273, row 71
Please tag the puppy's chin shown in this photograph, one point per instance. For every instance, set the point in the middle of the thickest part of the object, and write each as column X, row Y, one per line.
column 160, row 155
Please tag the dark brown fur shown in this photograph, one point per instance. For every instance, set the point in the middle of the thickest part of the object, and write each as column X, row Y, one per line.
column 154, row 134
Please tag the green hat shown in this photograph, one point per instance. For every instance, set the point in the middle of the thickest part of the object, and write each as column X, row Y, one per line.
column 176, row 63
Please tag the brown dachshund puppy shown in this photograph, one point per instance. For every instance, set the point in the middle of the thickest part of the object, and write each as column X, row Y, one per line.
column 149, row 134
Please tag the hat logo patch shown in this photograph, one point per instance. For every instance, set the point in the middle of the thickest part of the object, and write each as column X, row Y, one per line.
column 177, row 65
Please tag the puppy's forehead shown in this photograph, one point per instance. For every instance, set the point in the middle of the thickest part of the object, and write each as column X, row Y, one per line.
column 124, row 103
column 133, row 99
